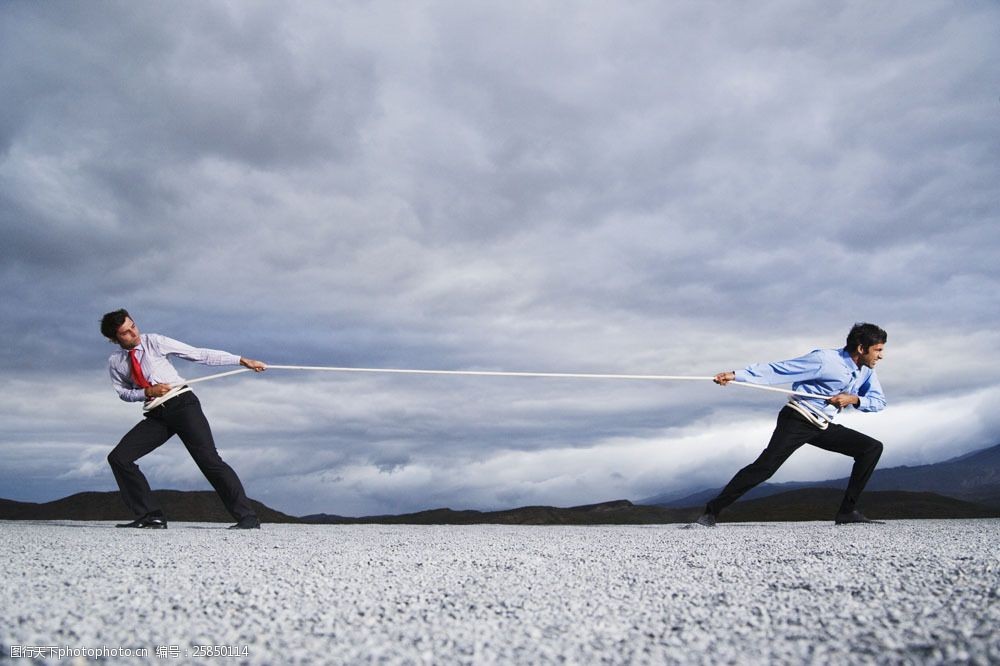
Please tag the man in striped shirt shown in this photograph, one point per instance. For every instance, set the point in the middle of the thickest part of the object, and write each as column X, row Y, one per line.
column 141, row 371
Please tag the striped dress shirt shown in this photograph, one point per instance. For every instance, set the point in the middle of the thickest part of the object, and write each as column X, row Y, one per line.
column 153, row 351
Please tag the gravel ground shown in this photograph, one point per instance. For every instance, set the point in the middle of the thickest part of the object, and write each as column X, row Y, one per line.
column 905, row 592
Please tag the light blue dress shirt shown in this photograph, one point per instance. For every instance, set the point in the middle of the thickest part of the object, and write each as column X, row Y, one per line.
column 823, row 372
column 153, row 351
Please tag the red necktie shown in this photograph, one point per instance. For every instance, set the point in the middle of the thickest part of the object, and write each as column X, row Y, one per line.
column 137, row 376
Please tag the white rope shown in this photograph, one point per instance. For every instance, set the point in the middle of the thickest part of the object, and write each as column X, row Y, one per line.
column 177, row 390
column 183, row 388
column 813, row 414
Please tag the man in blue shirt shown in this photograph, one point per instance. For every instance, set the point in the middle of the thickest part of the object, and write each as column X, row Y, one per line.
column 839, row 378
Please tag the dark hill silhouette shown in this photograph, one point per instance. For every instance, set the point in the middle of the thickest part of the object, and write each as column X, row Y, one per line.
column 822, row 504
column 200, row 506
column 618, row 512
column 807, row 504
column 973, row 477
column 802, row 504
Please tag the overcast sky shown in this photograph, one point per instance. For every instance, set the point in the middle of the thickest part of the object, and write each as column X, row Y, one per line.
column 608, row 187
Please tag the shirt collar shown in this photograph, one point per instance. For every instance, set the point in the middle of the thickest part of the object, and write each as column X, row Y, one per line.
column 139, row 347
column 849, row 362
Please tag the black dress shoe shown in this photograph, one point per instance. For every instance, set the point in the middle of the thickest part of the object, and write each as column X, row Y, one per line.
column 706, row 520
column 147, row 522
column 247, row 523
column 855, row 518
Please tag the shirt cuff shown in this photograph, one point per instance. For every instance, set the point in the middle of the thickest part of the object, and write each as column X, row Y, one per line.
column 134, row 395
column 233, row 359
column 867, row 404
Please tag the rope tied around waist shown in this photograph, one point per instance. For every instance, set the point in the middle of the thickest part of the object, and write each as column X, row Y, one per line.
column 813, row 414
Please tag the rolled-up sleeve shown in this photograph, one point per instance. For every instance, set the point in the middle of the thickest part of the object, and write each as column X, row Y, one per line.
column 870, row 396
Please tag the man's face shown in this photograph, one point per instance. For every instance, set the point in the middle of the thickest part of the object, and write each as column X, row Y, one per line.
column 870, row 356
column 127, row 334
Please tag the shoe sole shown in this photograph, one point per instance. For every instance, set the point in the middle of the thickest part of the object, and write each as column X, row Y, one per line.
column 142, row 527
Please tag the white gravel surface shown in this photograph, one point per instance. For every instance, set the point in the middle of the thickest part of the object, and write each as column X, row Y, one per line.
column 905, row 592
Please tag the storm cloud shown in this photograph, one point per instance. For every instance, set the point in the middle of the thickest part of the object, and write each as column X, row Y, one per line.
column 610, row 187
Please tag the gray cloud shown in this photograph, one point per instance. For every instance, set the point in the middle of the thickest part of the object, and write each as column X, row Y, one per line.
column 634, row 188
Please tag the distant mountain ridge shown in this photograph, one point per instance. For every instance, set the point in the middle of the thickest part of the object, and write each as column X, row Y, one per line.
column 972, row 477
column 616, row 512
column 196, row 506
column 822, row 504
column 803, row 504
column 967, row 486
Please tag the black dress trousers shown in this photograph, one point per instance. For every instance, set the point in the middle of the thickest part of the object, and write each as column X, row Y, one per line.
column 791, row 432
column 181, row 416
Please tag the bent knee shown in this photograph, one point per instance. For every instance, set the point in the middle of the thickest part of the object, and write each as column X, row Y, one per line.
column 875, row 448
column 116, row 459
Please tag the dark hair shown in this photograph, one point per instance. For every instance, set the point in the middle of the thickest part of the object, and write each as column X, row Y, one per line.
column 111, row 322
column 865, row 335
